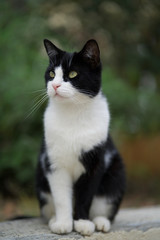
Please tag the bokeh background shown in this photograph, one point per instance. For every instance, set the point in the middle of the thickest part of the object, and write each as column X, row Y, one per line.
column 128, row 33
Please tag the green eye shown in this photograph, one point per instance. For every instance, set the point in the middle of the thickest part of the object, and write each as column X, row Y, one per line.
column 73, row 74
column 51, row 74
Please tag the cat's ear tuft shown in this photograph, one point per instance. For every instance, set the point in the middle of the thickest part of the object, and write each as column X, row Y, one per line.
column 91, row 53
column 51, row 49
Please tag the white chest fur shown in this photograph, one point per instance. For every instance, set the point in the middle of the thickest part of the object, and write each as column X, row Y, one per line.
column 69, row 130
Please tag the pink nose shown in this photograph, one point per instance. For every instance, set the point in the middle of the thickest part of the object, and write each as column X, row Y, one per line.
column 55, row 86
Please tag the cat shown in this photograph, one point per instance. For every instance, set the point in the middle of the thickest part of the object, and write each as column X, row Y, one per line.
column 80, row 174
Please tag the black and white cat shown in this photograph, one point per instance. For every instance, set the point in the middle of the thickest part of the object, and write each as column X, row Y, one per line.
column 80, row 174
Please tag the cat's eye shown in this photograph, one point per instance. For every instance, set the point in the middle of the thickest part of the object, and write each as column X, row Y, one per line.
column 73, row 74
column 51, row 74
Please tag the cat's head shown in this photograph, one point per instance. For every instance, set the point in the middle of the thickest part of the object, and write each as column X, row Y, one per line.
column 73, row 77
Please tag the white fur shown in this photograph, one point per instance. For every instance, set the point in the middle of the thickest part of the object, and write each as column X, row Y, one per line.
column 102, row 224
column 84, row 227
column 60, row 227
column 101, row 206
column 61, row 189
column 73, row 123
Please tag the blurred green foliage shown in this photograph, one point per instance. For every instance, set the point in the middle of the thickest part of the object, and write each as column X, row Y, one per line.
column 128, row 34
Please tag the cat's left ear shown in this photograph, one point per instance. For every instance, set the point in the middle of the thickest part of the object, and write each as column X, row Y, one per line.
column 51, row 49
column 91, row 53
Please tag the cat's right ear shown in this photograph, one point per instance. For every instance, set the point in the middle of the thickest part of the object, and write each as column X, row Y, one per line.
column 51, row 49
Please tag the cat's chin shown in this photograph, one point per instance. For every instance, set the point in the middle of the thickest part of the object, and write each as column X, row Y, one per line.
column 57, row 95
column 60, row 98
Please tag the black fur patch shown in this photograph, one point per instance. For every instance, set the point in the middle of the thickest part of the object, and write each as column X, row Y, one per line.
column 99, row 181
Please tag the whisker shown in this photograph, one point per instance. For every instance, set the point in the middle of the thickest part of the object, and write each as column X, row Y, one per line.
column 38, row 96
column 37, row 105
column 45, row 96
column 40, row 90
column 38, row 102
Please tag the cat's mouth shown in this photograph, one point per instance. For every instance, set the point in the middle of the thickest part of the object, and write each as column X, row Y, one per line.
column 64, row 90
column 62, row 95
column 55, row 94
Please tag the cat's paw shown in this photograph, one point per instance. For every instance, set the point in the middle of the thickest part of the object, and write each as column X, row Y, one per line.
column 84, row 227
column 102, row 224
column 60, row 227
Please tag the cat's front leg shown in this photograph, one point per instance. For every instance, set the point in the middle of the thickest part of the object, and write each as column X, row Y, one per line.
column 84, row 191
column 61, row 188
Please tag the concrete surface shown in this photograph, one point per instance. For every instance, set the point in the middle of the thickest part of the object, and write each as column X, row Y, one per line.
column 132, row 224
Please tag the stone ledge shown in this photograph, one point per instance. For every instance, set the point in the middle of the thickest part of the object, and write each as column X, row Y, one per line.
column 143, row 223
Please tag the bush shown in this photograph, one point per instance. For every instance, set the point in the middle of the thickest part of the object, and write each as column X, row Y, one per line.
column 133, row 110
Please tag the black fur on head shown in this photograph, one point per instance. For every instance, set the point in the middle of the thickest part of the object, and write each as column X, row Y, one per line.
column 86, row 63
